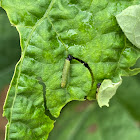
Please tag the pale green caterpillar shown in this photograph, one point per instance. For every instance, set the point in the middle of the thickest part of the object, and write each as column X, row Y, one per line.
column 66, row 71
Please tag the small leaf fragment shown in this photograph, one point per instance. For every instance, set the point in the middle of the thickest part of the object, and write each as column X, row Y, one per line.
column 106, row 91
column 129, row 21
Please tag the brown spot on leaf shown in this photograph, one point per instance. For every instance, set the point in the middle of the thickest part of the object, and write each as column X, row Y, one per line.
column 92, row 128
column 138, row 123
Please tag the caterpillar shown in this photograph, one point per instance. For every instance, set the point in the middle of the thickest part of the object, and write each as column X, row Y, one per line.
column 66, row 71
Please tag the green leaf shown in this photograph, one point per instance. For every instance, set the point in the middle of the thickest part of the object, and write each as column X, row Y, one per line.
column 49, row 31
column 129, row 21
column 9, row 49
column 106, row 91
column 86, row 121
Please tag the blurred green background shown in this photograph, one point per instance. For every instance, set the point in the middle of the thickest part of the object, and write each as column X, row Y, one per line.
column 9, row 49
column 78, row 120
